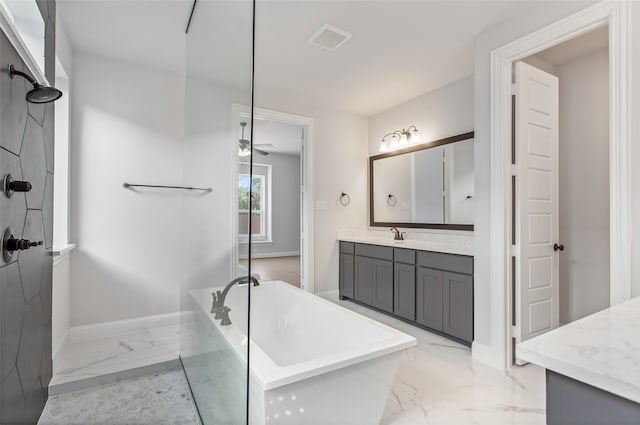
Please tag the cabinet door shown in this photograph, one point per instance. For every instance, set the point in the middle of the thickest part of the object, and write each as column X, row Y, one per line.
column 364, row 279
column 458, row 306
column 383, row 285
column 346, row 275
column 429, row 297
column 404, row 290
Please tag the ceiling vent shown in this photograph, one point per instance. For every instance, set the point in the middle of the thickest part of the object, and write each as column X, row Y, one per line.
column 329, row 37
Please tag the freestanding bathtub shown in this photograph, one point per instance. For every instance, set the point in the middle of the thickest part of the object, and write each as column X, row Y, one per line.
column 311, row 361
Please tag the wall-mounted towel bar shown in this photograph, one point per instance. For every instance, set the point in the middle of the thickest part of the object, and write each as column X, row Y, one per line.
column 204, row 189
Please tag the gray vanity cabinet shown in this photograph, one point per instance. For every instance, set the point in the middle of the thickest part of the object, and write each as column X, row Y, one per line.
column 347, row 273
column 429, row 297
column 374, row 276
column 404, row 283
column 457, row 319
column 430, row 289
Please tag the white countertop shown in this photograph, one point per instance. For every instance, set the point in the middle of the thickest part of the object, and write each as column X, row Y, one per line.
column 451, row 246
column 602, row 350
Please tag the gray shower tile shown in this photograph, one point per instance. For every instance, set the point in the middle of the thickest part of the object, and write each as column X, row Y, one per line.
column 13, row 105
column 11, row 318
column 12, row 407
column 33, row 163
column 36, row 111
column 34, row 402
column 31, row 343
column 48, row 128
column 14, row 209
column 31, row 261
column 47, row 211
column 50, row 52
column 46, row 363
column 81, row 384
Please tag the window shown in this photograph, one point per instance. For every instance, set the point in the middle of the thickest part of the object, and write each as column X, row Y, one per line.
column 259, row 210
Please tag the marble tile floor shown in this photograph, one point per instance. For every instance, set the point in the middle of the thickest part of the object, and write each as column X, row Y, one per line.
column 439, row 383
column 152, row 400
column 89, row 363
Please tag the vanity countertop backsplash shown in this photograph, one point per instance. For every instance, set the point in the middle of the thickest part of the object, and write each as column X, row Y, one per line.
column 461, row 244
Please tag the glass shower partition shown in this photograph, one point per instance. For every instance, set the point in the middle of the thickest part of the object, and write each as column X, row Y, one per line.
column 217, row 225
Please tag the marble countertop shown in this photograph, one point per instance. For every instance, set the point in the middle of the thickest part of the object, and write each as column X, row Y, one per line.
column 452, row 246
column 602, row 350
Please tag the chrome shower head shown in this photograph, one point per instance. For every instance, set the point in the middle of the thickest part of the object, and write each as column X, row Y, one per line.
column 40, row 93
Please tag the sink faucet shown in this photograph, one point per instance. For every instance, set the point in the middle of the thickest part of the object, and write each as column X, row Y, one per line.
column 398, row 236
column 222, row 311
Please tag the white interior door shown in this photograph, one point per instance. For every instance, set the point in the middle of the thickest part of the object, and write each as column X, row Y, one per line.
column 537, row 203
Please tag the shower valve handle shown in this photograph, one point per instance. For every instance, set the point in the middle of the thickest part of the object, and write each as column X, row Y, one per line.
column 9, row 185
column 20, row 186
column 21, row 244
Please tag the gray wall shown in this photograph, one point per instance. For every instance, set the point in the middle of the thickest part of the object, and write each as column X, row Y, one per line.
column 584, row 185
column 26, row 151
column 285, row 208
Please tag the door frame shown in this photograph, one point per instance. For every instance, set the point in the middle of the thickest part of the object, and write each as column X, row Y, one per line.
column 617, row 15
column 306, row 164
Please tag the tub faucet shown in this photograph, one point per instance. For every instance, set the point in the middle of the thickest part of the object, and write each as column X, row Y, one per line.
column 398, row 236
column 222, row 311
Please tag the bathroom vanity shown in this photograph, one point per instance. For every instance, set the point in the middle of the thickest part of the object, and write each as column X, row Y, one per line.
column 592, row 370
column 405, row 279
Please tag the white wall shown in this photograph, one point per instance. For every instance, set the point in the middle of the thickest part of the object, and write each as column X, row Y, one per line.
column 339, row 165
column 485, row 340
column 285, row 205
column 127, row 127
column 441, row 113
column 584, row 185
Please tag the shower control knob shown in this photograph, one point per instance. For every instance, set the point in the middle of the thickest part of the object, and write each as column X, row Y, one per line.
column 10, row 185
column 21, row 244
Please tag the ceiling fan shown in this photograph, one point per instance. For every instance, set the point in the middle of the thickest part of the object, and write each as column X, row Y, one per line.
column 245, row 145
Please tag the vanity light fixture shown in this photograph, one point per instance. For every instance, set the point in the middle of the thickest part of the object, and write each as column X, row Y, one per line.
column 399, row 138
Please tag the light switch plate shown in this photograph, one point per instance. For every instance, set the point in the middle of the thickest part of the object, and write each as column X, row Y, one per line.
column 321, row 205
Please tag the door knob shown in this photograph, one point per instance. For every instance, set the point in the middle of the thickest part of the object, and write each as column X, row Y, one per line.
column 9, row 185
column 557, row 247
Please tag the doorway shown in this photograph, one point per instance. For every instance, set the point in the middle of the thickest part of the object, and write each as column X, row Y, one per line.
column 561, row 184
column 282, row 221
column 616, row 16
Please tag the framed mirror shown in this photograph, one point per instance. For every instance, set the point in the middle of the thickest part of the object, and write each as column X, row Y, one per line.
column 430, row 185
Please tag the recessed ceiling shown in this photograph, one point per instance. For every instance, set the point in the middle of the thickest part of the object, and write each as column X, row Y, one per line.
column 399, row 49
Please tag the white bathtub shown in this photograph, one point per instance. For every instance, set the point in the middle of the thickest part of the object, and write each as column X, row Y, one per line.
column 312, row 361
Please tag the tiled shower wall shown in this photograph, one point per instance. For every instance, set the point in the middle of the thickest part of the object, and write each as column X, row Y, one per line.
column 26, row 151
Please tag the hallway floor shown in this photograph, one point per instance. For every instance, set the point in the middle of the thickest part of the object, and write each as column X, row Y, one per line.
column 286, row 269
column 437, row 383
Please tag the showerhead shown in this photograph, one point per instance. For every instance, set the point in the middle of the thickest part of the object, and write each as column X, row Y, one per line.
column 43, row 94
column 40, row 93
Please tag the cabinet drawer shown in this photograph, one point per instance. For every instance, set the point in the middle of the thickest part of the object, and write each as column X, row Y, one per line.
column 347, row 247
column 449, row 262
column 374, row 251
column 406, row 256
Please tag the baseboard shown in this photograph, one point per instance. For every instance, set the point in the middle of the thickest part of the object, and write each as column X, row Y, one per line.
column 272, row 255
column 483, row 354
column 128, row 326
